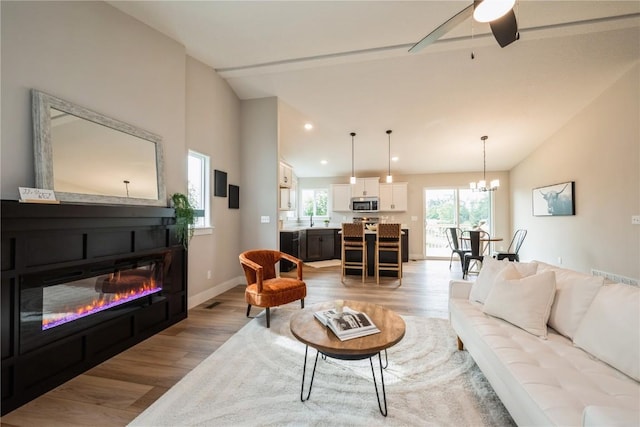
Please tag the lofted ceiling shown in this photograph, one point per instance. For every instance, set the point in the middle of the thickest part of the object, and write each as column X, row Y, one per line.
column 344, row 66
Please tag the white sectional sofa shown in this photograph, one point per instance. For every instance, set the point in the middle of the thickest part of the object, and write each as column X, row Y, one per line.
column 558, row 347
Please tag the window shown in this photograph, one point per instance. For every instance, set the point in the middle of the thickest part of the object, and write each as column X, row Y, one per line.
column 314, row 202
column 451, row 207
column 199, row 181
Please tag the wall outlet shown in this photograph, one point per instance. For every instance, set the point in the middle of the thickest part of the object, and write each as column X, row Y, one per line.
column 208, row 274
column 264, row 219
column 559, row 260
column 635, row 219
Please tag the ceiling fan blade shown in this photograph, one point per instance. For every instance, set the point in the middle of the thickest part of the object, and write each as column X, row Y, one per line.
column 505, row 29
column 443, row 29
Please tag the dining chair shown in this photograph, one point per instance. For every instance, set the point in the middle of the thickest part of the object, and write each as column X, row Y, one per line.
column 354, row 249
column 514, row 246
column 388, row 239
column 477, row 239
column 264, row 287
column 453, row 237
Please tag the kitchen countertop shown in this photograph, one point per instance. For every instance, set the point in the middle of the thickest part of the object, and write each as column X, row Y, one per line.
column 306, row 227
column 322, row 227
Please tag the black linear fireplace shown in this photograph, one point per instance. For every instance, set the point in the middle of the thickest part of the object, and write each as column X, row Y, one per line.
column 55, row 303
column 80, row 283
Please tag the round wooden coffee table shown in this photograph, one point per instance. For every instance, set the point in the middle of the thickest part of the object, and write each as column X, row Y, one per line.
column 308, row 330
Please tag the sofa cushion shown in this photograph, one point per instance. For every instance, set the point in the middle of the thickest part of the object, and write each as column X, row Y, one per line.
column 574, row 294
column 488, row 273
column 524, row 302
column 609, row 328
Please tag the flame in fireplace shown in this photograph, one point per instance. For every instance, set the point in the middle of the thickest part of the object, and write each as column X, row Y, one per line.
column 101, row 302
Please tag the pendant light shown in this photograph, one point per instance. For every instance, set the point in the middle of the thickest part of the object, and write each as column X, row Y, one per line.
column 389, row 177
column 352, row 180
column 482, row 184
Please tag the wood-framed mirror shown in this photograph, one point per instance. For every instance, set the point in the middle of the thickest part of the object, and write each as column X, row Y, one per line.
column 87, row 157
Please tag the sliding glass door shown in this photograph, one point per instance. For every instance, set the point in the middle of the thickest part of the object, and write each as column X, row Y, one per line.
column 453, row 207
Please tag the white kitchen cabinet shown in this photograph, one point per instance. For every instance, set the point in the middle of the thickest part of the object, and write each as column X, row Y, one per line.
column 393, row 197
column 366, row 187
column 287, row 199
column 340, row 197
column 285, row 175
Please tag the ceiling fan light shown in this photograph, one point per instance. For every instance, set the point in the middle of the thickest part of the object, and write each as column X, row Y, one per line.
column 490, row 10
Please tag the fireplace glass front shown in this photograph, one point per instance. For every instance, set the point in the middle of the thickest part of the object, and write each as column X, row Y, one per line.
column 70, row 301
column 55, row 303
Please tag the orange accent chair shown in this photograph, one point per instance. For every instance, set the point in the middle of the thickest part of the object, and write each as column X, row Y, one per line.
column 264, row 287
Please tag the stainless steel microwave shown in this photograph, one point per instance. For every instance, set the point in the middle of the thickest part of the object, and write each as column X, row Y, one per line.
column 365, row 204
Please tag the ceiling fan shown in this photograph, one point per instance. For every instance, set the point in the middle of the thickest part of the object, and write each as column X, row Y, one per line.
column 498, row 13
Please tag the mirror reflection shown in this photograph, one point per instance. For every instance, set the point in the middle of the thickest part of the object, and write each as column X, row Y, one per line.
column 87, row 157
column 90, row 158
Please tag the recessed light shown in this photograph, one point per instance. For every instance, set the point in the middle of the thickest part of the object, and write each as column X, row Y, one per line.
column 323, row 162
column 308, row 126
column 394, row 159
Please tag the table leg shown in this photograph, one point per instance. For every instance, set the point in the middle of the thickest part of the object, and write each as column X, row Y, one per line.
column 304, row 371
column 375, row 383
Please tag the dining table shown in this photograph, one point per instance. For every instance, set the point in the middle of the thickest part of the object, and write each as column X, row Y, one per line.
column 485, row 241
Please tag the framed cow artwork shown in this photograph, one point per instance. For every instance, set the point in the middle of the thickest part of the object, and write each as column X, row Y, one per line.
column 554, row 200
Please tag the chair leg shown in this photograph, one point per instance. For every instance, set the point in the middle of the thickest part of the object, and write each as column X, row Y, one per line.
column 248, row 309
column 302, row 303
column 364, row 263
column 268, row 318
column 450, row 260
column 400, row 267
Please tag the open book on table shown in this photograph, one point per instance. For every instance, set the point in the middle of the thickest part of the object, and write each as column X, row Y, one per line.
column 347, row 325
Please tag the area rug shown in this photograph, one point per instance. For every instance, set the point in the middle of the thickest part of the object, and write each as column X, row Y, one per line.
column 322, row 264
column 254, row 380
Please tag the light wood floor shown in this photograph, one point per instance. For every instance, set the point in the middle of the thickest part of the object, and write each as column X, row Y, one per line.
column 116, row 391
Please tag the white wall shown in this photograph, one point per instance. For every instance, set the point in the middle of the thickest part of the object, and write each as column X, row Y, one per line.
column 213, row 128
column 599, row 149
column 259, row 187
column 95, row 56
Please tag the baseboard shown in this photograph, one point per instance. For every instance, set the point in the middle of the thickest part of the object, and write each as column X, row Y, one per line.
column 203, row 296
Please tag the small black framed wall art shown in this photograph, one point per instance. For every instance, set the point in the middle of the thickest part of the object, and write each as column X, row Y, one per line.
column 219, row 183
column 234, row 196
column 554, row 200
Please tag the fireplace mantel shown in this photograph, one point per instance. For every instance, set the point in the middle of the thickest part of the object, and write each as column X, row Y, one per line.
column 44, row 245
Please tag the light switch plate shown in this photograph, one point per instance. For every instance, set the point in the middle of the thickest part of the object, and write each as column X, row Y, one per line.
column 635, row 220
column 264, row 219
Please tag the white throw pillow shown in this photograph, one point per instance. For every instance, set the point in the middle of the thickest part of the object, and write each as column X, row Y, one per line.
column 574, row 294
column 490, row 269
column 524, row 302
column 609, row 328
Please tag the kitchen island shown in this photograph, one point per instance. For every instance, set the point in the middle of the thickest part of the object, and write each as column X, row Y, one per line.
column 323, row 243
column 370, row 238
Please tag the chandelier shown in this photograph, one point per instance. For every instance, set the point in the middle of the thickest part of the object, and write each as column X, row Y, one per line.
column 482, row 184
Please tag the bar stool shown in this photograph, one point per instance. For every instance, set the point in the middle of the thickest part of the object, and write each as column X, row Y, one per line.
column 353, row 240
column 388, row 240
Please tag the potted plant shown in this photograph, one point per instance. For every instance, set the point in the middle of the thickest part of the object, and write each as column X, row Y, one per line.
column 185, row 217
column 326, row 222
